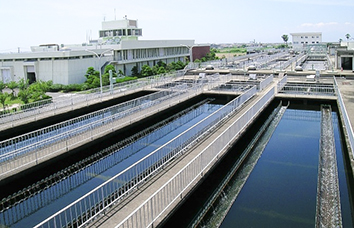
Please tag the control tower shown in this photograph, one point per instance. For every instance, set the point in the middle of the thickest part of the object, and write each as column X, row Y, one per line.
column 117, row 30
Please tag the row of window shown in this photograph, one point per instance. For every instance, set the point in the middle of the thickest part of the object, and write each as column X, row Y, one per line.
column 121, row 55
column 306, row 37
column 150, row 53
column 121, row 32
column 306, row 42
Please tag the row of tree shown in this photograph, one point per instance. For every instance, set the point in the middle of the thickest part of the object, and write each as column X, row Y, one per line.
column 23, row 92
column 93, row 76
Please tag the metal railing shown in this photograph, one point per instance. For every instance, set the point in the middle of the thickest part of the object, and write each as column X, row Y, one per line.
column 345, row 117
column 150, row 210
column 85, row 208
column 282, row 83
column 16, row 146
column 65, row 141
column 309, row 89
column 267, row 130
column 21, row 204
column 264, row 83
column 30, row 112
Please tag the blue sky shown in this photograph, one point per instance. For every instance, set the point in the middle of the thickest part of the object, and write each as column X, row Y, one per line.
column 29, row 23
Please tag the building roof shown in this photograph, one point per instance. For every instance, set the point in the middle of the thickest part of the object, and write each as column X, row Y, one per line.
column 305, row 33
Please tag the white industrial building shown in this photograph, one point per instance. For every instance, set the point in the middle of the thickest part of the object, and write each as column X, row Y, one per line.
column 301, row 40
column 344, row 56
column 118, row 45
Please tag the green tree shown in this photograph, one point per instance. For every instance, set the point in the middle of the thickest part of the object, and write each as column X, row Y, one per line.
column 105, row 76
column 12, row 85
column 172, row 66
column 347, row 36
column 3, row 97
column 199, row 62
column 135, row 71
column 2, row 86
column 285, row 39
column 92, row 78
column 180, row 65
column 23, row 84
column 154, row 70
column 161, row 64
column 161, row 70
column 120, row 73
column 112, row 68
column 146, row 71
column 24, row 95
column 37, row 90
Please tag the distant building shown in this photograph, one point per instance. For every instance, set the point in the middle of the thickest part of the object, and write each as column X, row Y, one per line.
column 118, row 45
column 300, row 40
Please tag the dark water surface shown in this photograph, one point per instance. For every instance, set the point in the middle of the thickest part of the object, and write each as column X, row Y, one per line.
column 281, row 190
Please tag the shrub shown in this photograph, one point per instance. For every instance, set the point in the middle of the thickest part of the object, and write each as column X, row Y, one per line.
column 56, row 88
column 120, row 80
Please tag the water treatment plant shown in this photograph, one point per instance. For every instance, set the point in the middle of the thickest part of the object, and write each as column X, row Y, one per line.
column 251, row 142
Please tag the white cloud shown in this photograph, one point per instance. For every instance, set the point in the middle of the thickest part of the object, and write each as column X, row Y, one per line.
column 319, row 25
column 321, row 2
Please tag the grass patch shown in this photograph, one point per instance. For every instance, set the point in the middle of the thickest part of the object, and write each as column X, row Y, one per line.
column 233, row 50
column 120, row 80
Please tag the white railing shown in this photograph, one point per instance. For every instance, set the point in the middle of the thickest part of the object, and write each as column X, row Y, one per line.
column 348, row 126
column 85, row 208
column 30, row 112
column 67, row 142
column 282, row 83
column 150, row 210
column 264, row 83
column 18, row 145
column 308, row 90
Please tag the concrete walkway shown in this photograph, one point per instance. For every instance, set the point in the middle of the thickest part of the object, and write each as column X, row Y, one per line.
column 346, row 87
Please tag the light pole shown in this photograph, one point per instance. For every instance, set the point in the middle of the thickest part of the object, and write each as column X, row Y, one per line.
column 190, row 51
column 99, row 56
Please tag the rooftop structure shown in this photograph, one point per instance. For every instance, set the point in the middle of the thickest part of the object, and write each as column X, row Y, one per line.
column 114, row 31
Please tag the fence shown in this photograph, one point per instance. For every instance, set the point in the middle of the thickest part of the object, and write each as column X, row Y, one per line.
column 157, row 204
column 13, row 147
column 88, row 206
column 282, row 83
column 29, row 112
column 264, row 83
column 21, row 204
column 309, row 89
column 65, row 141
